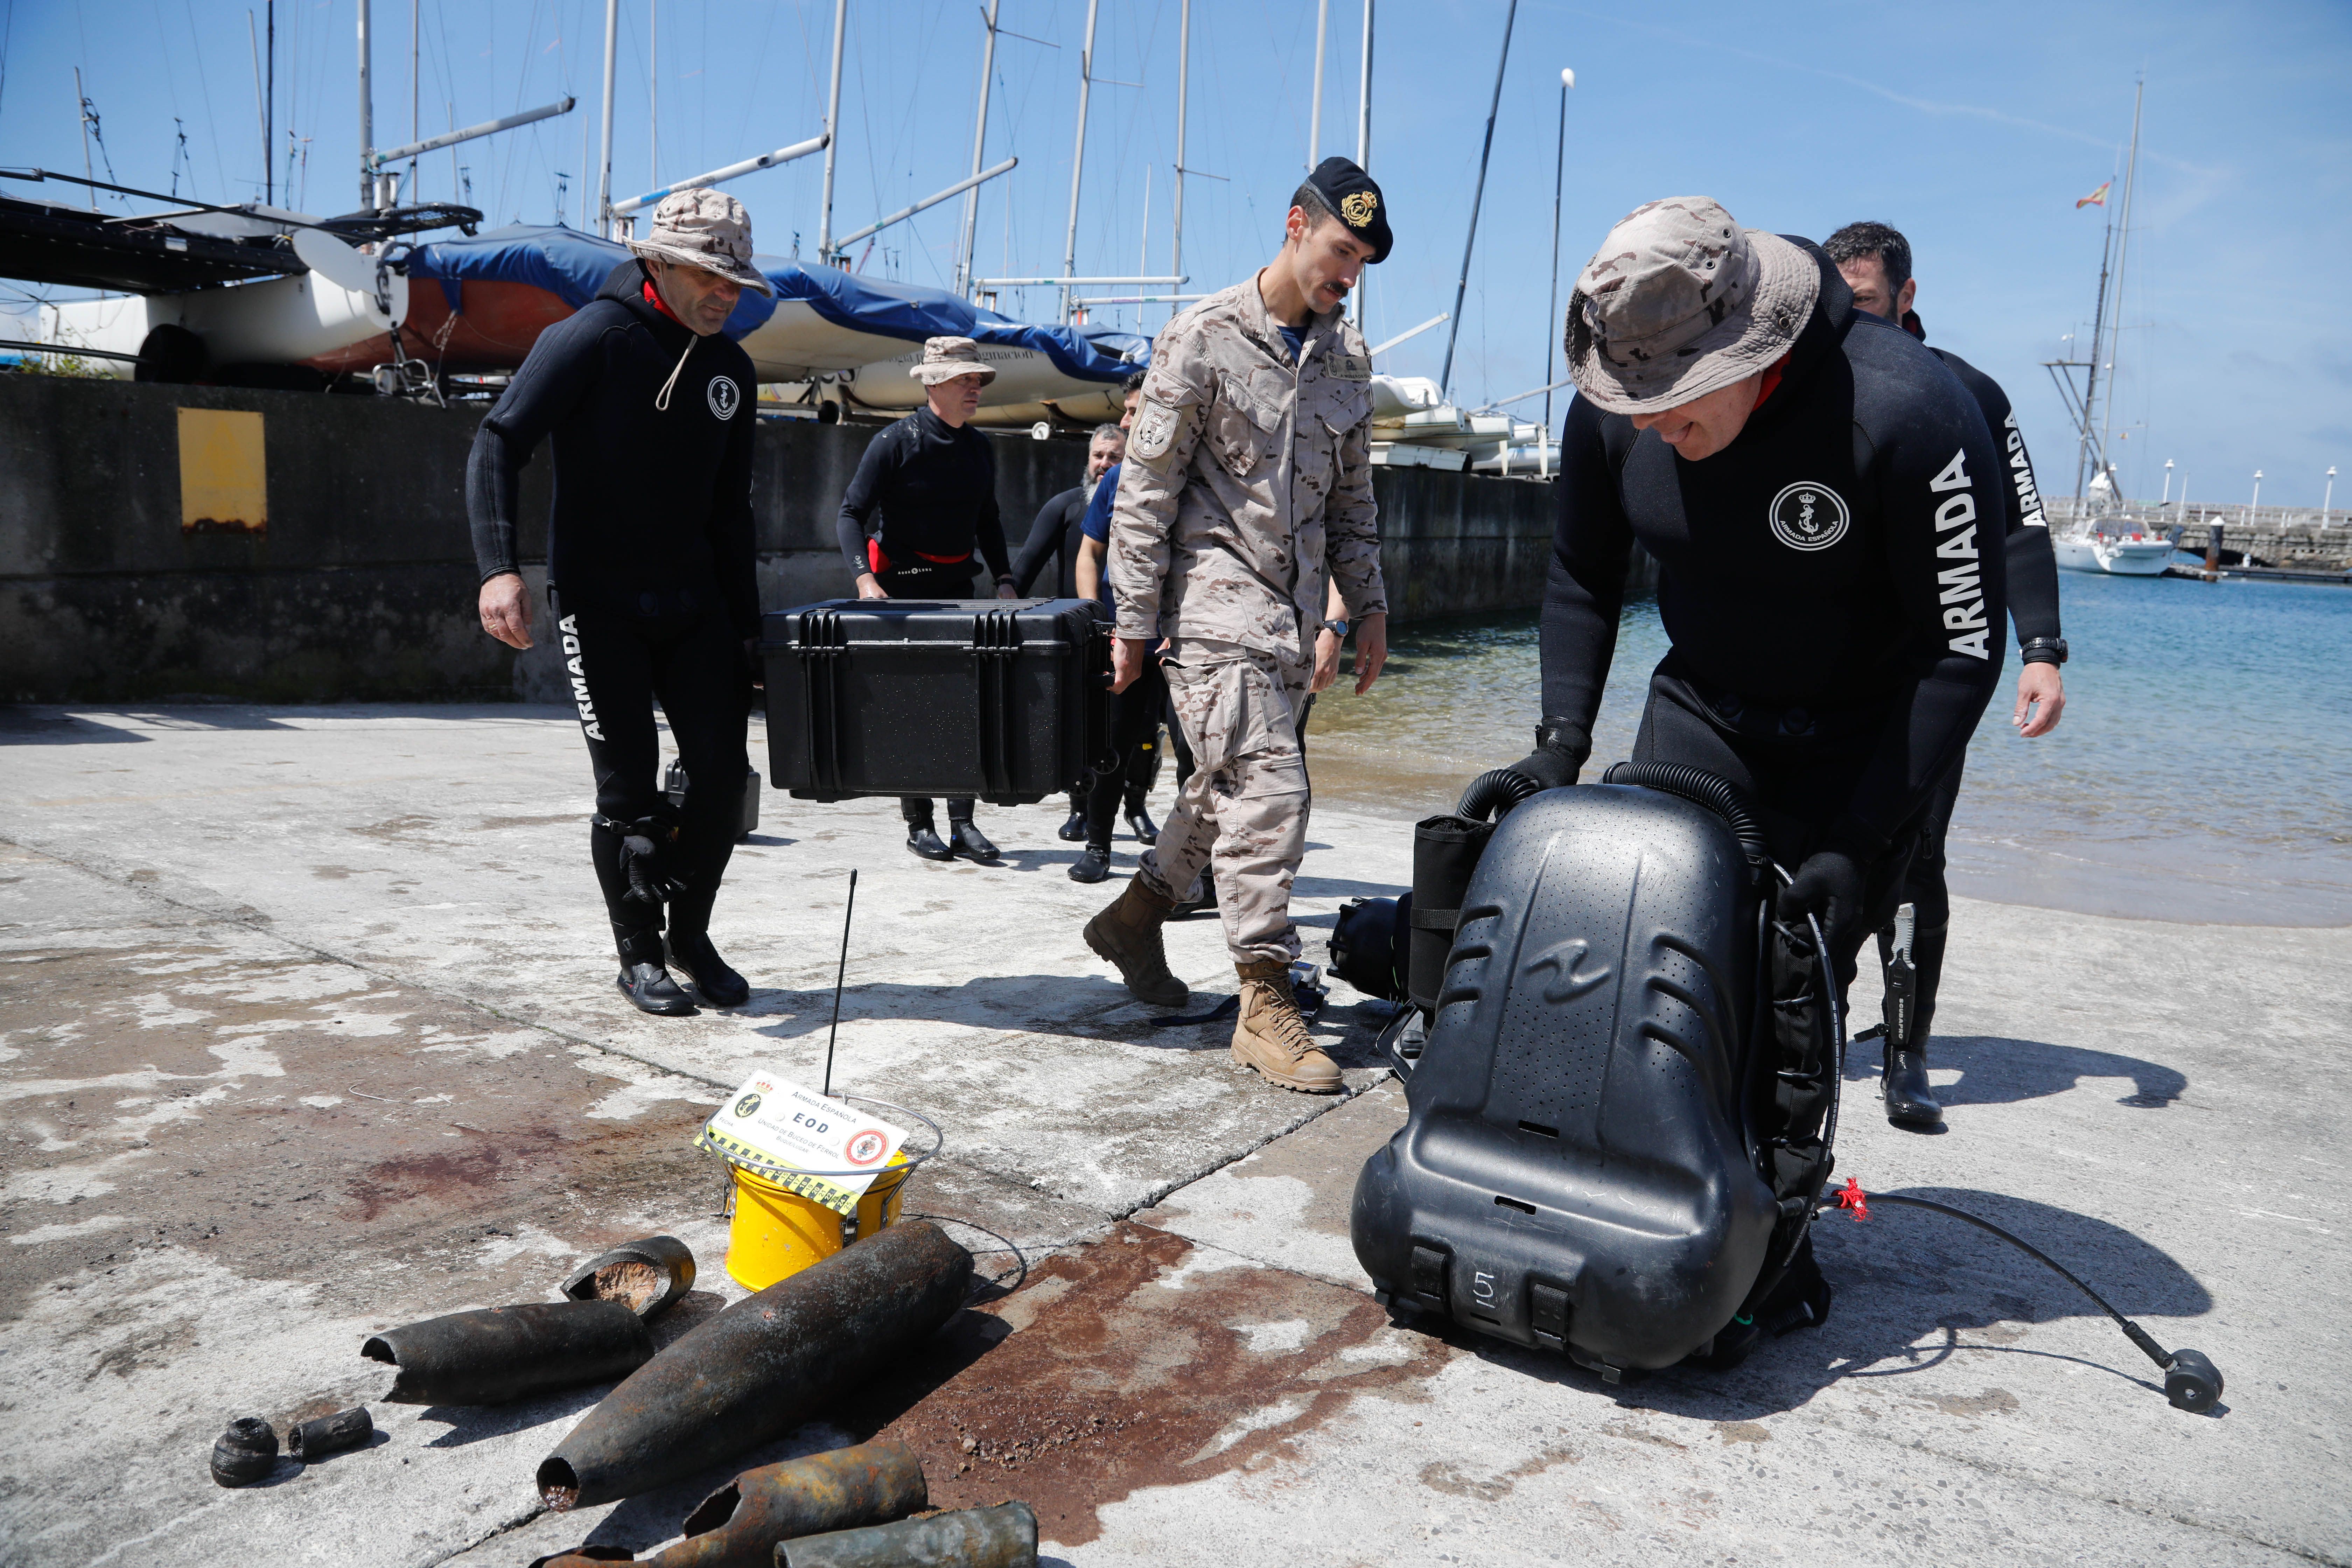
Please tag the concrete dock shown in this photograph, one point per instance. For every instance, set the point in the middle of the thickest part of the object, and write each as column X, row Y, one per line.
column 308, row 1030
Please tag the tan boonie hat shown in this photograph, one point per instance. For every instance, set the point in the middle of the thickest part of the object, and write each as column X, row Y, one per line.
column 1680, row 301
column 944, row 359
column 704, row 228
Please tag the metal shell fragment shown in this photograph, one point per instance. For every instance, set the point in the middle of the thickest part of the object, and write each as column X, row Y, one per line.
column 762, row 1367
column 505, row 1353
column 739, row 1525
column 1004, row 1536
column 646, row 1275
column 246, row 1452
column 330, row 1434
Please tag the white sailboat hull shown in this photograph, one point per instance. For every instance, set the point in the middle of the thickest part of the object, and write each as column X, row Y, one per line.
column 2128, row 557
column 281, row 320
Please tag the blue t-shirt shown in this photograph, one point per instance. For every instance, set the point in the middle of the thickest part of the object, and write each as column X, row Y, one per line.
column 1096, row 526
column 1294, row 336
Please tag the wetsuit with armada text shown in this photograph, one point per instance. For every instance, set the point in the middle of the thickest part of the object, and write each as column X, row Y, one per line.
column 1831, row 582
column 650, row 568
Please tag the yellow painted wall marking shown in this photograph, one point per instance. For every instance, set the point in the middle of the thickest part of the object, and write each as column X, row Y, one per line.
column 224, row 481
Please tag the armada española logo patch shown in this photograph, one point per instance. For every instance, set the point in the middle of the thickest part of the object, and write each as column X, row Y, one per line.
column 724, row 396
column 1809, row 516
column 1358, row 209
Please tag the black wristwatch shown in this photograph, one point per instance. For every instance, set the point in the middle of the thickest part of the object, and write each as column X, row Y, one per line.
column 2042, row 650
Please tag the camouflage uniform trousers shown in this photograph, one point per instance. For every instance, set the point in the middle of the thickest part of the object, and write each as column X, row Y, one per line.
column 1243, row 813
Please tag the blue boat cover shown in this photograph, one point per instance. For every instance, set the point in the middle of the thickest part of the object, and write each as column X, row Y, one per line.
column 574, row 266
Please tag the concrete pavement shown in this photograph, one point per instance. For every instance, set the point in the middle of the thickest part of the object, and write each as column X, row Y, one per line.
column 309, row 1030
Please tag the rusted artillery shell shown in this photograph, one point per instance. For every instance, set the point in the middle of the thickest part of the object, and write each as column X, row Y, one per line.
column 510, row 1353
column 739, row 1525
column 330, row 1434
column 581, row 1556
column 246, row 1452
column 762, row 1367
column 646, row 1275
column 1004, row 1536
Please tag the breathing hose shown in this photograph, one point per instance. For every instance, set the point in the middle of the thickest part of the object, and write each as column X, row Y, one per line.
column 1493, row 793
column 1700, row 787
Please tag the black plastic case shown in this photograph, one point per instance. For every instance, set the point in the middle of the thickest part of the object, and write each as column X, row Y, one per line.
column 1006, row 700
column 1573, row 1174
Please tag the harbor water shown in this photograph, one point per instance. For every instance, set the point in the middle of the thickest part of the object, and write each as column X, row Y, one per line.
column 2202, row 771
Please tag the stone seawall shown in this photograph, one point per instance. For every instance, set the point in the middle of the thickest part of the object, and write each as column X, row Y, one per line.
column 353, row 577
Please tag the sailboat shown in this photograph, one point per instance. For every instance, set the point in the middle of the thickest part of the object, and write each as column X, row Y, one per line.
column 2101, row 539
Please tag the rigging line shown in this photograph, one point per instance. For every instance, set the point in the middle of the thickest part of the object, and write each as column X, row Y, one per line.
column 759, row 64
column 8, row 31
column 212, row 128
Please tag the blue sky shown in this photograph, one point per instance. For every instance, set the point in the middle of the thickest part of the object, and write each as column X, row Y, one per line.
column 1973, row 129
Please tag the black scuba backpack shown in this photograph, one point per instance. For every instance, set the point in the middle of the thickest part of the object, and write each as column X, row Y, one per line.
column 1616, row 1133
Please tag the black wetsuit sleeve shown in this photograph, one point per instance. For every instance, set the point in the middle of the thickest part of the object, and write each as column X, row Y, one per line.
column 732, row 544
column 1585, row 588
column 865, row 491
column 1940, row 496
column 2033, row 563
column 1045, row 541
column 989, row 527
column 559, row 372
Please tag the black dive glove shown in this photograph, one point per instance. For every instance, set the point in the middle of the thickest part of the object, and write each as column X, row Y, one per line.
column 1827, row 887
column 1560, row 750
column 644, row 859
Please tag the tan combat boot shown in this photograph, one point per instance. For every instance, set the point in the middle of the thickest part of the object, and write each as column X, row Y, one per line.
column 1271, row 1036
column 1128, row 934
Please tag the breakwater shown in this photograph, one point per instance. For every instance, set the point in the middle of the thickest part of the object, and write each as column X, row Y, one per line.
column 167, row 540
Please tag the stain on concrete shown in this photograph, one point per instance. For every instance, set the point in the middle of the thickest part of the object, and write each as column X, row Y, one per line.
column 1991, row 1401
column 1444, row 1476
column 1119, row 1382
column 1742, row 1432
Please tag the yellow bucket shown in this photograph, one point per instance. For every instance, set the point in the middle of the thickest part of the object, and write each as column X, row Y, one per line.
column 777, row 1233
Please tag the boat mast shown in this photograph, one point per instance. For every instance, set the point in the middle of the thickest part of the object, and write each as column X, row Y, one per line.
column 604, row 153
column 1184, row 83
column 1363, row 132
column 415, row 118
column 367, row 118
column 2116, row 326
column 979, row 140
column 1461, row 286
column 652, row 93
column 1078, row 158
column 832, row 133
column 1315, row 109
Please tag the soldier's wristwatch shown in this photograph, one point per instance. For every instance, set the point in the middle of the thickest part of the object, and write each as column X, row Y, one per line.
column 1337, row 629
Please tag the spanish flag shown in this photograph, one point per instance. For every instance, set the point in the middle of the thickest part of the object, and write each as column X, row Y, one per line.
column 2098, row 198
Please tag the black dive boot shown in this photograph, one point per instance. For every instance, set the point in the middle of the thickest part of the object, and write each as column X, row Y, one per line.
column 642, row 980
column 1093, row 866
column 691, row 954
column 1903, row 1074
column 1139, row 820
column 1074, row 828
column 923, row 834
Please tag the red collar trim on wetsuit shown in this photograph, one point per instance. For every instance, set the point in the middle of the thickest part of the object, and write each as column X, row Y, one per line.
column 1771, row 381
column 653, row 298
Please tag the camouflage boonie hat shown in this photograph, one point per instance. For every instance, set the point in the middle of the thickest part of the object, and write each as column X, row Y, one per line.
column 944, row 359
column 705, row 229
column 1680, row 301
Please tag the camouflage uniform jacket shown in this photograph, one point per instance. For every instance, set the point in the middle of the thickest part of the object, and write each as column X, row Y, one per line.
column 1246, row 476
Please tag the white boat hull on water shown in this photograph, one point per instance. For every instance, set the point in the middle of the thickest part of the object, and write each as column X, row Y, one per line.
column 2126, row 555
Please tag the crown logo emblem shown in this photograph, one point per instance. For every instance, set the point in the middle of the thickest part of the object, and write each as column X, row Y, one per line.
column 1358, row 209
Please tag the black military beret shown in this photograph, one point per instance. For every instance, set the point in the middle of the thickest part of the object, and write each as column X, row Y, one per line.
column 1349, row 192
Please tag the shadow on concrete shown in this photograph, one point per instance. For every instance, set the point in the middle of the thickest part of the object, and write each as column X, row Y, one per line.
column 471, row 1424
column 2000, row 1071
column 1912, row 1290
column 1344, row 887
column 652, row 1517
column 37, row 726
column 1009, row 1003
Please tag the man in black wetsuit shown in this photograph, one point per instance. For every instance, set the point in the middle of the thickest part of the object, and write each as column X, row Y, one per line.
column 649, row 570
column 1054, row 537
column 1875, row 261
column 1818, row 491
column 932, row 478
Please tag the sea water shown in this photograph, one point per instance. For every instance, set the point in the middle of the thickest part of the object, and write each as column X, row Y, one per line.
column 2201, row 771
